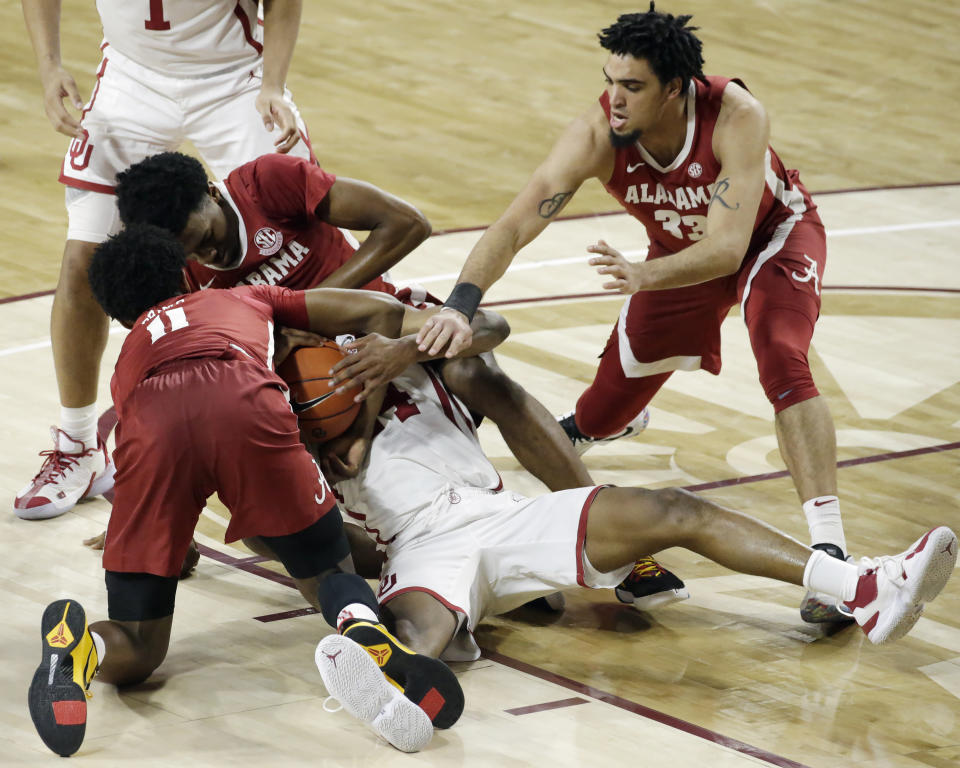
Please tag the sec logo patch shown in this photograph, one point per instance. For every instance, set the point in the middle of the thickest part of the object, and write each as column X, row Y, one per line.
column 268, row 240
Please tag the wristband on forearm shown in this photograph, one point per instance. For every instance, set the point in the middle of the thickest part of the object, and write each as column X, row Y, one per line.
column 465, row 298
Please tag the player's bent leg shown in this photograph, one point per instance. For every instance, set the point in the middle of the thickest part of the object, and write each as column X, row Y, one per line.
column 137, row 633
column 421, row 622
column 528, row 428
column 626, row 523
column 79, row 465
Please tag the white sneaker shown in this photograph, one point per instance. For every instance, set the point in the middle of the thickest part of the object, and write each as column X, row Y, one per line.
column 891, row 591
column 64, row 479
column 582, row 443
column 354, row 679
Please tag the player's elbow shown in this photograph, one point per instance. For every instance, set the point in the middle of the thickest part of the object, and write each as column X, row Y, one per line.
column 416, row 227
column 492, row 326
column 729, row 254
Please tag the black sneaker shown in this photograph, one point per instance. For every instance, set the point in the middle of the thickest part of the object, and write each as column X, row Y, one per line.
column 427, row 682
column 58, row 694
column 582, row 443
column 818, row 608
column 650, row 586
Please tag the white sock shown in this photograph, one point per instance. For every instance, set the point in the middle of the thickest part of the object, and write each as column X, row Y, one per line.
column 824, row 521
column 831, row 576
column 100, row 646
column 81, row 426
column 356, row 611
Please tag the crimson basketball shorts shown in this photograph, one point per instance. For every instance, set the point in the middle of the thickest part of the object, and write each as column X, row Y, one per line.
column 482, row 553
column 679, row 329
column 195, row 428
column 135, row 112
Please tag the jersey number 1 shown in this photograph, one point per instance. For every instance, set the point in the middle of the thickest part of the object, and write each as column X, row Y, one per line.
column 156, row 22
column 176, row 318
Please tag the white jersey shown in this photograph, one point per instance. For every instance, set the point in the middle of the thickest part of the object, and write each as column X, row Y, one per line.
column 184, row 38
column 427, row 448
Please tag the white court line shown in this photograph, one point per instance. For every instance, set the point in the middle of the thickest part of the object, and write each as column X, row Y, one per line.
column 849, row 232
column 643, row 251
column 42, row 344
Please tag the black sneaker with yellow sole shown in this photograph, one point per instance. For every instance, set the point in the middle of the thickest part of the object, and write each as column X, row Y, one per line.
column 58, row 694
column 650, row 585
column 427, row 682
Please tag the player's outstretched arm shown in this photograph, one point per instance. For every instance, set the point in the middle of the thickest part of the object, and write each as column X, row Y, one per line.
column 43, row 25
column 281, row 25
column 395, row 228
column 376, row 360
column 581, row 153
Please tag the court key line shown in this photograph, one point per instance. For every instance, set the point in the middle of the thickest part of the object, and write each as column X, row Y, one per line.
column 251, row 565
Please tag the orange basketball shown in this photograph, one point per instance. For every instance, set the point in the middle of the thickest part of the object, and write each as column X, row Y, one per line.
column 323, row 414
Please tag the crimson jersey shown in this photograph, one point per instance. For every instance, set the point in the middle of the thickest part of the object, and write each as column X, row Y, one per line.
column 236, row 324
column 282, row 242
column 671, row 202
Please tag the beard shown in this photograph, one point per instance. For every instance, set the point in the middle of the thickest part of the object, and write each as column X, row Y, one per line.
column 619, row 141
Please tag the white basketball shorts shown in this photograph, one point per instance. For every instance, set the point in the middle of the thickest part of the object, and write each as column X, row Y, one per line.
column 482, row 553
column 135, row 112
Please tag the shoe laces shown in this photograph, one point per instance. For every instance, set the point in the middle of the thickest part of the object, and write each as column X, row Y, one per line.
column 892, row 567
column 57, row 462
column 646, row 567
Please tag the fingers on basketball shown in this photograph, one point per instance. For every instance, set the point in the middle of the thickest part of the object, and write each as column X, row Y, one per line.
column 323, row 412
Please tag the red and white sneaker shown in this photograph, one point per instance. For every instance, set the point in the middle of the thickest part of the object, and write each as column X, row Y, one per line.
column 891, row 591
column 65, row 478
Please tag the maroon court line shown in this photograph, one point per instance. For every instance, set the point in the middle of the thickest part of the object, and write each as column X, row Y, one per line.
column 845, row 463
column 243, row 564
column 598, row 294
column 547, row 705
column 639, row 709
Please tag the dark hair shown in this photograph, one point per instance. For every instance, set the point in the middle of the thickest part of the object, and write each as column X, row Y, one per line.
column 664, row 40
column 136, row 269
column 162, row 190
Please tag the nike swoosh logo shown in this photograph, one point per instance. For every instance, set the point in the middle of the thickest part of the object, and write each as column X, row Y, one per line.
column 208, row 283
column 299, row 407
column 632, row 168
column 821, row 503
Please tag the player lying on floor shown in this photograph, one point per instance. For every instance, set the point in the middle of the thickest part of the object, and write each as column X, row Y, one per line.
column 459, row 547
column 201, row 411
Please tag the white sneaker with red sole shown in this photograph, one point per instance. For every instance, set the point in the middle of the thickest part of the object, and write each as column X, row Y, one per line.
column 891, row 591
column 65, row 478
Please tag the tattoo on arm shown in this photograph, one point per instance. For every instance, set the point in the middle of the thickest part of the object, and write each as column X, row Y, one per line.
column 549, row 206
column 718, row 191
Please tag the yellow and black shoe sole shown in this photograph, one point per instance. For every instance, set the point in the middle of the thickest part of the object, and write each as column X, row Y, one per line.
column 427, row 682
column 57, row 699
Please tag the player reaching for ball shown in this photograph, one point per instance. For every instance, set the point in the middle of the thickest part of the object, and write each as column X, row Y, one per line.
column 275, row 220
column 201, row 411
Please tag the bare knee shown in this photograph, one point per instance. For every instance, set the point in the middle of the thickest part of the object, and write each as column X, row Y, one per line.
column 682, row 513
column 483, row 386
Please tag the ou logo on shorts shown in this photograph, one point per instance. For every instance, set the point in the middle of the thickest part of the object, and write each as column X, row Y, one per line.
column 268, row 240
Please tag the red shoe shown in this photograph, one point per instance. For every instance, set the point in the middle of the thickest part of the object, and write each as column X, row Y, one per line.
column 892, row 590
column 65, row 478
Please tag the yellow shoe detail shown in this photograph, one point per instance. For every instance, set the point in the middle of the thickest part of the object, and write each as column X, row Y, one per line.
column 60, row 636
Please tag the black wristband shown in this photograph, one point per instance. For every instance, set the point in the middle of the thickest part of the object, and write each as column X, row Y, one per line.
column 465, row 298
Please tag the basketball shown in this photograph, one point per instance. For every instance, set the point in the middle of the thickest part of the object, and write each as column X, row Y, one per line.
column 323, row 414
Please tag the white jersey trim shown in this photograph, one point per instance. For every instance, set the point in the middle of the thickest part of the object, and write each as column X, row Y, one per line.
column 681, row 158
column 634, row 369
column 242, row 227
column 780, row 235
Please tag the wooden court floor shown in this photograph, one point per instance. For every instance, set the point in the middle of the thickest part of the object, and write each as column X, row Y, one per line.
column 451, row 107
